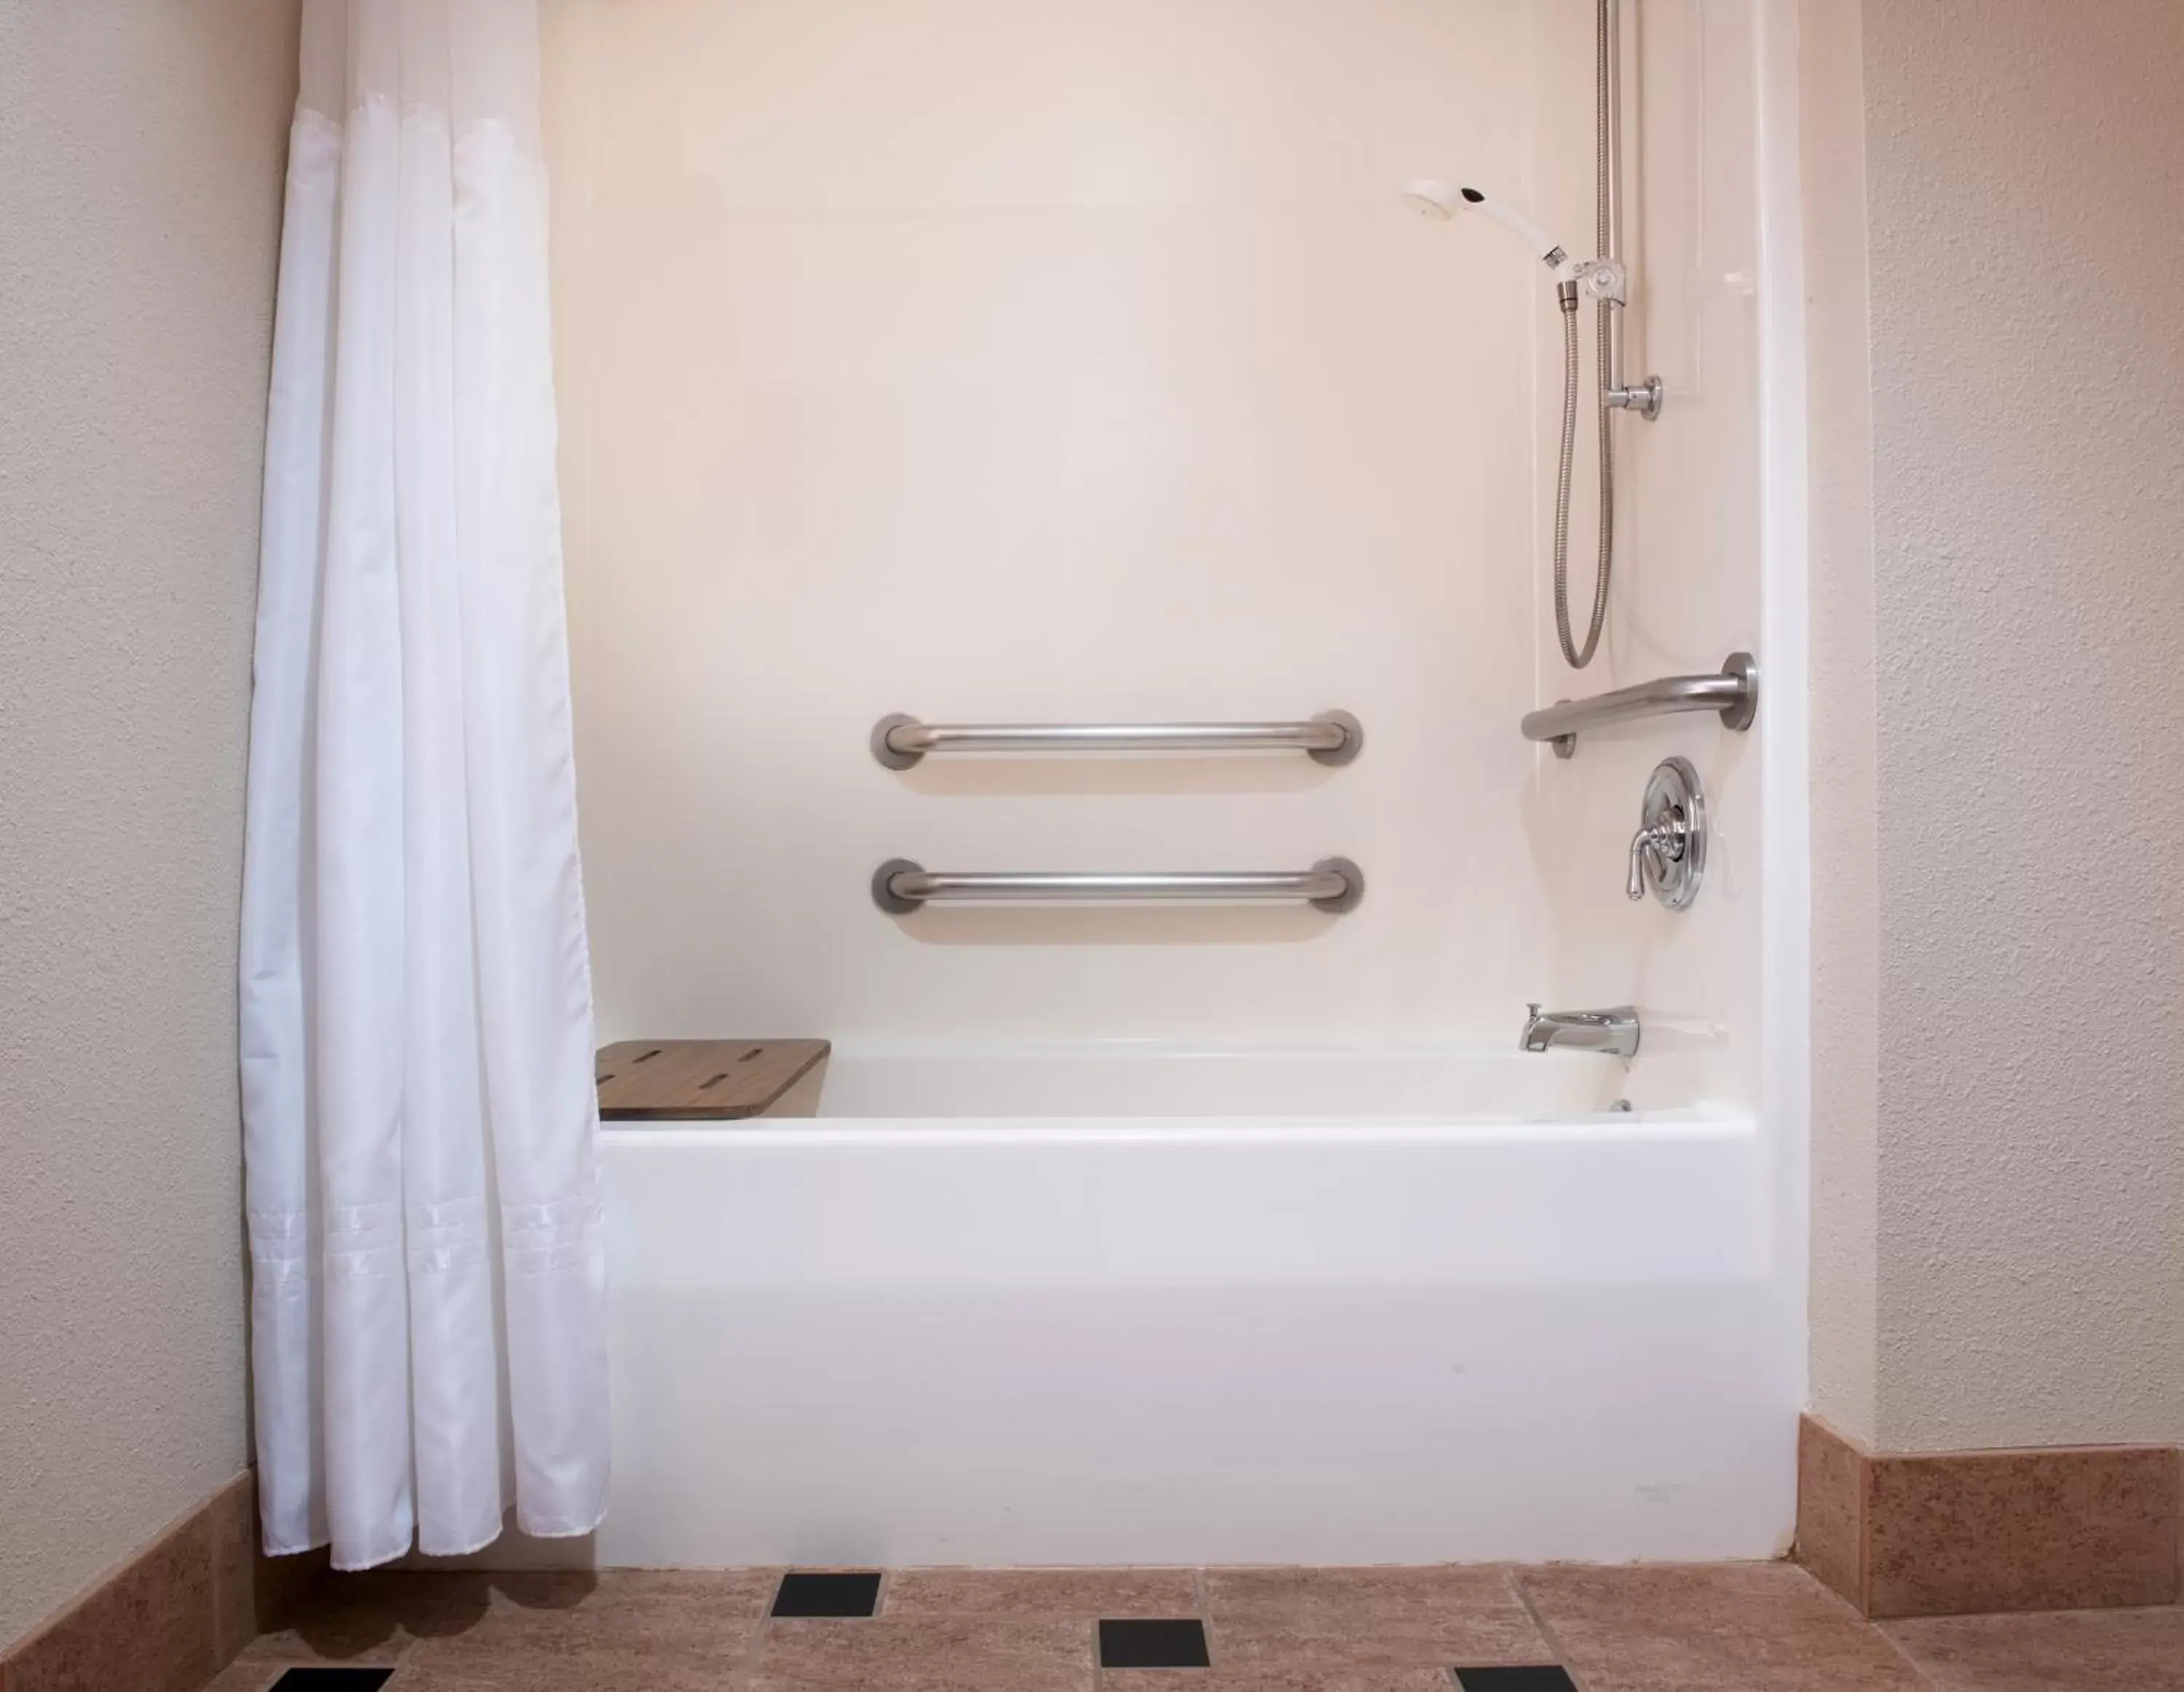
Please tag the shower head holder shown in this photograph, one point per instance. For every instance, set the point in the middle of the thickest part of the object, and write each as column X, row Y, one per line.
column 1604, row 280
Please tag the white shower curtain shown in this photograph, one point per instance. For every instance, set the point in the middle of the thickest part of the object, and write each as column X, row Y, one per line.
column 428, row 1335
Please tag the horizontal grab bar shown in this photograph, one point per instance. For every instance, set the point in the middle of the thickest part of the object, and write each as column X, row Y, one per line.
column 1331, row 737
column 1735, row 694
column 1334, row 884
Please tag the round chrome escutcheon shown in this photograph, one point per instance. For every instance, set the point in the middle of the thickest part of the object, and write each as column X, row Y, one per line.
column 1675, row 798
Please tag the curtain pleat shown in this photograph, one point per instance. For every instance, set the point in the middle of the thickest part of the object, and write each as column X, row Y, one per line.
column 428, row 1340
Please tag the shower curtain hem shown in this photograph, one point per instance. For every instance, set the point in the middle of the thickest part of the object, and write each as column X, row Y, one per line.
column 303, row 1549
column 574, row 1531
column 372, row 1560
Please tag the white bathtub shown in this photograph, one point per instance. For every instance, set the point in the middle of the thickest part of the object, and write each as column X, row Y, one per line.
column 1153, row 1307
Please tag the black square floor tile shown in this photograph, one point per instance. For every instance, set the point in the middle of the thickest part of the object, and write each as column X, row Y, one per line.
column 843, row 1595
column 1152, row 1644
column 1549, row 1678
column 332, row 1680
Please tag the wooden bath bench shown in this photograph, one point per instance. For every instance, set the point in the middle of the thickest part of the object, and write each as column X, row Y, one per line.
column 710, row 1081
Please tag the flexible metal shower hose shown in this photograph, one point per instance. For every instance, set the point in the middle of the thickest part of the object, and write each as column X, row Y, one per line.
column 1577, row 657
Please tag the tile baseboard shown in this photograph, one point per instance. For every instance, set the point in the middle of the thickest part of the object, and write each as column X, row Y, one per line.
column 173, row 1614
column 1976, row 1533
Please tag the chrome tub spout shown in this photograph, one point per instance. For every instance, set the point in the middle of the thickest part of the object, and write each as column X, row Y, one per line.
column 1613, row 1031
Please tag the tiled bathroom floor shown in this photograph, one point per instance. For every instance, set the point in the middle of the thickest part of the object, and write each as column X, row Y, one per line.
column 1735, row 1628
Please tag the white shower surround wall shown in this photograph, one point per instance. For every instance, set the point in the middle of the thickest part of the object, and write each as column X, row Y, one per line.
column 1062, row 1305
column 1046, row 1340
column 1045, row 362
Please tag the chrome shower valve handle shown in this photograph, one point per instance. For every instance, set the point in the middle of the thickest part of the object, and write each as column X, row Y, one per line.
column 1660, row 845
column 1668, row 853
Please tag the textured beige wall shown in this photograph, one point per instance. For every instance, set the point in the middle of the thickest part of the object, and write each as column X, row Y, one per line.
column 2027, row 465
column 1845, row 1299
column 2023, row 160
column 141, row 150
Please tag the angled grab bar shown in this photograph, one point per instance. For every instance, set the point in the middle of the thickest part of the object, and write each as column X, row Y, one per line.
column 1735, row 694
column 1333, row 884
column 1331, row 737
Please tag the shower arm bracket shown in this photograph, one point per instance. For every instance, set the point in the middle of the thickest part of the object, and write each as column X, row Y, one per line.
column 1607, row 282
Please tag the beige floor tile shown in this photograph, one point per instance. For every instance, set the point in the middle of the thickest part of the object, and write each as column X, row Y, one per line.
column 1368, row 1618
column 1725, row 1627
column 371, row 1617
column 951, row 1654
column 1275, row 1680
column 706, row 1617
column 247, row 1677
column 583, row 1672
column 1088, row 1593
column 2075, row 1650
